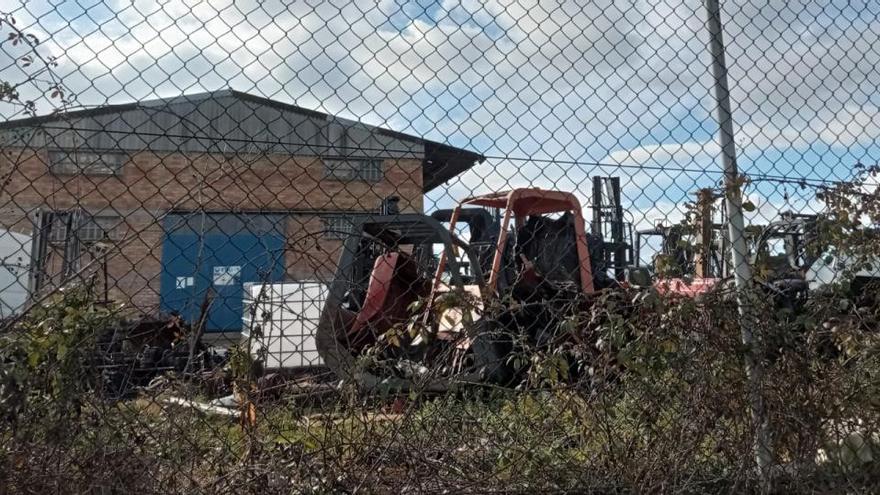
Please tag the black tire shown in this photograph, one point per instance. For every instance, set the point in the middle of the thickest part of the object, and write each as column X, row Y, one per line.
column 491, row 350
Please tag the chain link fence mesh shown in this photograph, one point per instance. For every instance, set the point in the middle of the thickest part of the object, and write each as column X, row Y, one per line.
column 433, row 246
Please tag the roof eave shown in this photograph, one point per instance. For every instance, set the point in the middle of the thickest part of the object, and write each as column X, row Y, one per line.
column 443, row 162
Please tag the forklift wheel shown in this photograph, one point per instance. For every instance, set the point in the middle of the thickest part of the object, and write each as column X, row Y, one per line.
column 491, row 351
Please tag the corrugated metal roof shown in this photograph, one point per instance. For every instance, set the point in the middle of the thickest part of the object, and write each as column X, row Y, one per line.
column 229, row 121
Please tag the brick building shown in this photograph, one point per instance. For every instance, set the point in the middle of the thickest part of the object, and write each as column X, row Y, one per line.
column 158, row 201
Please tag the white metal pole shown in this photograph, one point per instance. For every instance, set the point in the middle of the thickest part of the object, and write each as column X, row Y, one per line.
column 742, row 272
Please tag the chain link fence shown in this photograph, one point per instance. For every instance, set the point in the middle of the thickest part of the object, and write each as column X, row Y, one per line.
column 433, row 246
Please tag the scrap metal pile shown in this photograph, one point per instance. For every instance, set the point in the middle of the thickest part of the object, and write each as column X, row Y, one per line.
column 132, row 353
column 413, row 302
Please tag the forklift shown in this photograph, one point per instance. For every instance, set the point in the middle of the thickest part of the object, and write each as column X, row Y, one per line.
column 520, row 273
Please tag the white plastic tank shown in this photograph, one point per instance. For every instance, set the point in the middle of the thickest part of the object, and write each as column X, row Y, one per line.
column 15, row 249
column 830, row 269
column 287, row 317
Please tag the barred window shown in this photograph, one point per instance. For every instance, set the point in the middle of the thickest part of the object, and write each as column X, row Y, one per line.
column 368, row 170
column 338, row 227
column 86, row 162
column 91, row 228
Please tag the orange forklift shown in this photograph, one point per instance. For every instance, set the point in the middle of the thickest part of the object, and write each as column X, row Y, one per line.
column 413, row 302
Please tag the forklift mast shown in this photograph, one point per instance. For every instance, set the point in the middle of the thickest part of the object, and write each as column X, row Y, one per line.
column 609, row 225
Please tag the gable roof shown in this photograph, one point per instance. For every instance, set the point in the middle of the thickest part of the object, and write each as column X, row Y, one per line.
column 229, row 120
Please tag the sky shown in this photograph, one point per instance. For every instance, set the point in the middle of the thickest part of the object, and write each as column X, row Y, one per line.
column 552, row 92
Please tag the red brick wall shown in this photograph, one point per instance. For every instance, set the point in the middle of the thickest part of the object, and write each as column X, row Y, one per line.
column 152, row 184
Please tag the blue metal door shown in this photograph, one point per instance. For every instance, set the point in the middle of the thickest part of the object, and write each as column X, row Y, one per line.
column 209, row 258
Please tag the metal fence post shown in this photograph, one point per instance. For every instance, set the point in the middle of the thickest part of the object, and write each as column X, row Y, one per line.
column 742, row 272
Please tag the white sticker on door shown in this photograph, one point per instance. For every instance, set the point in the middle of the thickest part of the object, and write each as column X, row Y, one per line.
column 184, row 282
column 226, row 275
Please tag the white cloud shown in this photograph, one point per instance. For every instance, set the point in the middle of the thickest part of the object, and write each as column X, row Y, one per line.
column 570, row 81
column 687, row 154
